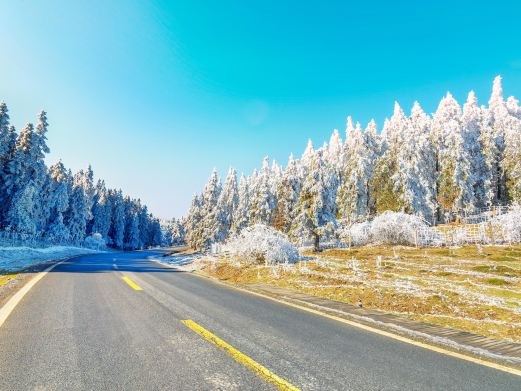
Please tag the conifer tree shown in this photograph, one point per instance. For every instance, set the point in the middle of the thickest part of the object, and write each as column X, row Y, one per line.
column 287, row 196
column 315, row 210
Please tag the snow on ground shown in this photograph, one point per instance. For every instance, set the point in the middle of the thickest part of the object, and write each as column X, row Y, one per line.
column 13, row 259
column 181, row 261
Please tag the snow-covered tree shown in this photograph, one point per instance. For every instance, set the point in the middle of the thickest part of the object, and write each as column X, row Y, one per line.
column 101, row 212
column 287, row 196
column 471, row 123
column 315, row 210
column 60, row 186
column 226, row 204
column 262, row 202
column 240, row 214
column 415, row 179
column 117, row 226
column 353, row 195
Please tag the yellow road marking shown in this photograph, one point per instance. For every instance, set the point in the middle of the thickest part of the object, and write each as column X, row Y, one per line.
column 388, row 334
column 241, row 358
column 132, row 283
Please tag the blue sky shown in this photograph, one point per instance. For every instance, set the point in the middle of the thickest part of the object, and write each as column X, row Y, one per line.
column 154, row 93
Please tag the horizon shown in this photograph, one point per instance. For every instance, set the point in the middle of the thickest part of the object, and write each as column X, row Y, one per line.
column 152, row 94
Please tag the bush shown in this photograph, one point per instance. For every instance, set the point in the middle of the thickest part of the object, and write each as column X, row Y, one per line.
column 260, row 243
column 95, row 241
column 509, row 225
column 387, row 228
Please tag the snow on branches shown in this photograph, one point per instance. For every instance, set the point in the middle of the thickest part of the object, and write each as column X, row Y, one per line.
column 60, row 207
column 260, row 243
column 436, row 166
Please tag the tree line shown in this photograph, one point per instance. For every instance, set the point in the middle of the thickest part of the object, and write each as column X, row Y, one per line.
column 57, row 205
column 434, row 166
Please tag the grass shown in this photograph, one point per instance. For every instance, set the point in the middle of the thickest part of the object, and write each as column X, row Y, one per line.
column 475, row 289
column 4, row 278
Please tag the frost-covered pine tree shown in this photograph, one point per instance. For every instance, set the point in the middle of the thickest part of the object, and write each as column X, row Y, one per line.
column 334, row 152
column 202, row 234
column 513, row 107
column 415, row 179
column 383, row 195
column 494, row 119
column 132, row 241
column 262, row 202
column 226, row 204
column 146, row 225
column 287, row 196
column 80, row 204
column 511, row 163
column 176, row 233
column 353, row 195
column 117, row 226
column 101, row 212
column 193, row 220
column 316, row 208
column 60, row 186
column 241, row 218
column 22, row 196
column 471, row 123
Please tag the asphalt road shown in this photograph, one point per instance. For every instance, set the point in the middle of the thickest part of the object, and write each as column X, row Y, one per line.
column 83, row 327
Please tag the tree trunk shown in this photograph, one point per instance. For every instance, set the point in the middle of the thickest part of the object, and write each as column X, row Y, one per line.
column 316, row 242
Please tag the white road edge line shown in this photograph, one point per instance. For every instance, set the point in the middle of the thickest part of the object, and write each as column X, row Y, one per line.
column 8, row 307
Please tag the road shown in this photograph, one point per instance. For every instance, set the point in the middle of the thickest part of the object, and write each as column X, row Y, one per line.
column 85, row 327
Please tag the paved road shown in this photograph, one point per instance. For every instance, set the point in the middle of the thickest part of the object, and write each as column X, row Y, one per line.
column 82, row 327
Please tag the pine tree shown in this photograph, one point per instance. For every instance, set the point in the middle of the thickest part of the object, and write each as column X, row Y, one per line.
column 227, row 203
column 240, row 214
column 471, row 123
column 101, row 212
column 193, row 220
column 60, row 185
column 493, row 139
column 117, row 226
column 262, row 203
column 382, row 192
column 287, row 196
column 416, row 175
column 315, row 210
column 353, row 195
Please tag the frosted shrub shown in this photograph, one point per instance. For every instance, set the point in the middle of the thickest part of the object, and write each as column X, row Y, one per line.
column 395, row 228
column 260, row 243
column 356, row 234
column 387, row 228
column 95, row 241
column 509, row 225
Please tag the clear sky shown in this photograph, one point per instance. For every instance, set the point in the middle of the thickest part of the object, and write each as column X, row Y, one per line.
column 155, row 93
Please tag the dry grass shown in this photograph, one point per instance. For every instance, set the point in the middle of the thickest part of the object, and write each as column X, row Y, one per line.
column 4, row 278
column 475, row 289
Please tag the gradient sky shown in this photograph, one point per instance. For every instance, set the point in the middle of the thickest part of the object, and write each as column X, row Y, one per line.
column 155, row 93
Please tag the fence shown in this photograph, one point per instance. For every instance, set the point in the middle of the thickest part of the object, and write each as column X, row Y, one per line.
column 483, row 215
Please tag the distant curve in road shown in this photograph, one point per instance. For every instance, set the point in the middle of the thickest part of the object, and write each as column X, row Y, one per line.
column 86, row 327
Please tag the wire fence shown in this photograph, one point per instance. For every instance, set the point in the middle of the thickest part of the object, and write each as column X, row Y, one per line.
column 483, row 215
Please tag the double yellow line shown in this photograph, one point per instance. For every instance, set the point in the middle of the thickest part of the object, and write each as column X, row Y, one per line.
column 262, row 372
